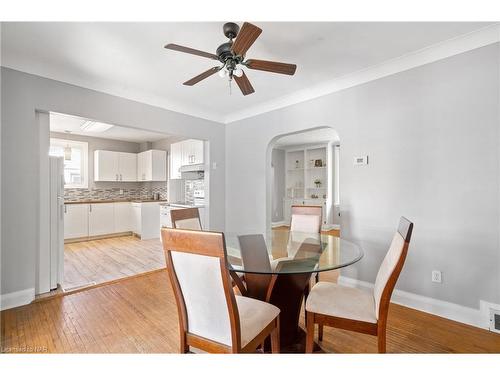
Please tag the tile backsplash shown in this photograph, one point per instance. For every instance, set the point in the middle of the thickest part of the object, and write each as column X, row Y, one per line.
column 189, row 187
column 113, row 193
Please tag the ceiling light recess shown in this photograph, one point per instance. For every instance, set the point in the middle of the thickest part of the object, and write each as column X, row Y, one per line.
column 95, row 127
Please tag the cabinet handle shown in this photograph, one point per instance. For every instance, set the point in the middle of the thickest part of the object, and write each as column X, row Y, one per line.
column 65, row 209
column 120, row 176
column 90, row 208
column 117, row 177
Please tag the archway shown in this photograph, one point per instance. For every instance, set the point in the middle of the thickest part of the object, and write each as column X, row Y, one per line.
column 303, row 168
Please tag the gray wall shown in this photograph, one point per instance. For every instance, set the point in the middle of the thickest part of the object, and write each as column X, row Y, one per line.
column 22, row 94
column 432, row 136
column 102, row 144
column 279, row 189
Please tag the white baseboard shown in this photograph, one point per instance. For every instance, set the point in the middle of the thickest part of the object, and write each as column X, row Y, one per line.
column 279, row 224
column 448, row 310
column 15, row 299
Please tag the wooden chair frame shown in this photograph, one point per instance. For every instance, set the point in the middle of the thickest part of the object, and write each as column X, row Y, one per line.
column 183, row 214
column 378, row 329
column 210, row 244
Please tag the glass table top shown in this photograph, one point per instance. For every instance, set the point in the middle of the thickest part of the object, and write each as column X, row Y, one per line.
column 284, row 252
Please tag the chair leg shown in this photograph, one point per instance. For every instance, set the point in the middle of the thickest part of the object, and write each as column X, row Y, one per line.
column 320, row 332
column 275, row 337
column 310, row 332
column 184, row 348
column 381, row 338
column 317, row 278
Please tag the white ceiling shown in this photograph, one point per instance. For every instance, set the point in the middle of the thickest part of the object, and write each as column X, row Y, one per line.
column 128, row 59
column 309, row 137
column 63, row 123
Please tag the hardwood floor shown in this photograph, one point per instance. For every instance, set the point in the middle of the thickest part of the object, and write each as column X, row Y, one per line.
column 98, row 261
column 138, row 315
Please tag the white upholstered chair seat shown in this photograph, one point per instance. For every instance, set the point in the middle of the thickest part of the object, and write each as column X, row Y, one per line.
column 255, row 315
column 341, row 301
column 305, row 223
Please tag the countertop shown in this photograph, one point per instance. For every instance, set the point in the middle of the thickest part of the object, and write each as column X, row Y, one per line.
column 181, row 204
column 116, row 201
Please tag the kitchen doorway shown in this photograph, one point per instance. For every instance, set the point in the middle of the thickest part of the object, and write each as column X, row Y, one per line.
column 109, row 192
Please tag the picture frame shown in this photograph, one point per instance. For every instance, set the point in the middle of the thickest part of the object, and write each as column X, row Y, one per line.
column 318, row 163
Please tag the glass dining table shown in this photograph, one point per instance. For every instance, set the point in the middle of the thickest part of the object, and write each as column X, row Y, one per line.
column 277, row 267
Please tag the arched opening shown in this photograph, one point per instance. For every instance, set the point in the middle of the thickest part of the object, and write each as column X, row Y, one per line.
column 303, row 168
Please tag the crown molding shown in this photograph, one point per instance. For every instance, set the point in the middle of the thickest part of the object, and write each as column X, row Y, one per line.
column 451, row 47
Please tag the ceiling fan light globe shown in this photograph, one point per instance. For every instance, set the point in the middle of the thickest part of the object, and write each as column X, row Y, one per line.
column 238, row 72
column 222, row 73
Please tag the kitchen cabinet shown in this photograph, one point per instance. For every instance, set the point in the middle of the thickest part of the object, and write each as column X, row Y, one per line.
column 192, row 152
column 152, row 165
column 146, row 217
column 115, row 166
column 127, row 166
column 101, row 219
column 124, row 220
column 175, row 160
column 76, row 220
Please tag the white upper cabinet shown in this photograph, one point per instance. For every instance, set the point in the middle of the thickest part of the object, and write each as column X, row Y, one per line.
column 152, row 165
column 175, row 160
column 192, row 152
column 106, row 165
column 115, row 166
column 127, row 166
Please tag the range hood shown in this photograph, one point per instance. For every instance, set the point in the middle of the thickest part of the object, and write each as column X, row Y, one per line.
column 192, row 168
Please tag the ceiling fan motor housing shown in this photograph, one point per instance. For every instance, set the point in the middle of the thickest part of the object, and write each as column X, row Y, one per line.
column 230, row 30
column 224, row 51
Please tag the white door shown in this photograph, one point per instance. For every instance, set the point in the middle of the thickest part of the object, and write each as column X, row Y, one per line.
column 101, row 218
column 124, row 219
column 76, row 220
column 175, row 160
column 56, row 170
column 106, row 165
column 141, row 173
column 128, row 166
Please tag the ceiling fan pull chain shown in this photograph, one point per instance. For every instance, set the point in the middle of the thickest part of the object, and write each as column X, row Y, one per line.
column 230, row 87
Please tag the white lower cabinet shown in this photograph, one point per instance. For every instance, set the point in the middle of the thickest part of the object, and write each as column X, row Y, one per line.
column 101, row 219
column 146, row 219
column 124, row 219
column 76, row 220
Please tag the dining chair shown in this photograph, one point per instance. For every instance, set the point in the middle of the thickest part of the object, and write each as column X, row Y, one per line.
column 186, row 218
column 211, row 317
column 354, row 309
column 306, row 219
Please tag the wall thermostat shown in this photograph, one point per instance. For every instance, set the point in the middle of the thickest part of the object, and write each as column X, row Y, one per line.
column 361, row 160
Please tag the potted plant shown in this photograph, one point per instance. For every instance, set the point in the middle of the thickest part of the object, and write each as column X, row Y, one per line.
column 317, row 182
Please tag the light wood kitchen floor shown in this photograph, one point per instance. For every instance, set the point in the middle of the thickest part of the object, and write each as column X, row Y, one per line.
column 98, row 261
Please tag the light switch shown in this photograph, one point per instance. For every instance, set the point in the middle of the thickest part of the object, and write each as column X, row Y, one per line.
column 361, row 160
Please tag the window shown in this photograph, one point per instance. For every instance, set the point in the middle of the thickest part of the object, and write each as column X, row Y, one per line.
column 75, row 156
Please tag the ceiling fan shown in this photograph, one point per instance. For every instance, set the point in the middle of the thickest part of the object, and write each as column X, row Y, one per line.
column 232, row 54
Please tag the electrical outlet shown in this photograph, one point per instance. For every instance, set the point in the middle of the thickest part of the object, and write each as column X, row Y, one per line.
column 121, row 191
column 436, row 276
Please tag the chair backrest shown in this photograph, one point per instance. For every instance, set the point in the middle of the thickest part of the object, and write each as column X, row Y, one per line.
column 254, row 256
column 186, row 218
column 390, row 268
column 306, row 219
column 196, row 263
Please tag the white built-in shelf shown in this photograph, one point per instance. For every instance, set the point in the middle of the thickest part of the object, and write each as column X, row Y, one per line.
column 295, row 169
column 317, row 188
column 312, row 168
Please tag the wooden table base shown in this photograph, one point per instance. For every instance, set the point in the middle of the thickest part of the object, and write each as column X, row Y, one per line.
column 287, row 294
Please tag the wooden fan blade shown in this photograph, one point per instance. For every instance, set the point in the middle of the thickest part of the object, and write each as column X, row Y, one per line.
column 246, row 37
column 244, row 84
column 192, row 51
column 202, row 76
column 271, row 66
